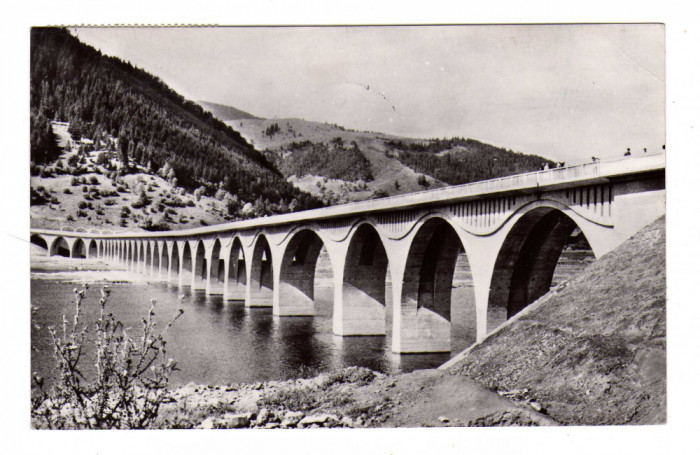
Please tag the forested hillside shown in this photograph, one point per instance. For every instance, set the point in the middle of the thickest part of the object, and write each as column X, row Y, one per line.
column 335, row 160
column 339, row 165
column 460, row 160
column 103, row 97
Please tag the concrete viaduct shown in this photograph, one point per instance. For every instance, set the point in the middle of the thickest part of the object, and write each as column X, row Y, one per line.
column 512, row 231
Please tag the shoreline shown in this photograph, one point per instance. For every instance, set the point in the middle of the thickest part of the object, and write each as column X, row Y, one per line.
column 92, row 271
column 352, row 397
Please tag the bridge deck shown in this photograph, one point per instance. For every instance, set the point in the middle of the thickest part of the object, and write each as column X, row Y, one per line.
column 548, row 179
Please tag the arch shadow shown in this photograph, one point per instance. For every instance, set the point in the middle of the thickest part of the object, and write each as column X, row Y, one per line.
column 527, row 261
column 261, row 274
column 237, row 279
column 297, row 272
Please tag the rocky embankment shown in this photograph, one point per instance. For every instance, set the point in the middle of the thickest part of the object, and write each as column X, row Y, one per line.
column 353, row 397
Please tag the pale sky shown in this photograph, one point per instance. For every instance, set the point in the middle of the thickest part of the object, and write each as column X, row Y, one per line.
column 566, row 92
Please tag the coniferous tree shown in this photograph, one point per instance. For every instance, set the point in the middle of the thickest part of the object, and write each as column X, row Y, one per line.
column 43, row 143
column 124, row 145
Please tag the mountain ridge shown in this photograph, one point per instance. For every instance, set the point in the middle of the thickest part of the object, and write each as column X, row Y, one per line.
column 226, row 113
column 338, row 164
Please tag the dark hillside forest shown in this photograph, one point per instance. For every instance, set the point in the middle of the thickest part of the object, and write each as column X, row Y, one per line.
column 104, row 96
column 335, row 161
column 458, row 160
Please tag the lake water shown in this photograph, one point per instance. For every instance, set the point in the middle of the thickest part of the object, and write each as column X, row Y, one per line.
column 220, row 343
column 217, row 342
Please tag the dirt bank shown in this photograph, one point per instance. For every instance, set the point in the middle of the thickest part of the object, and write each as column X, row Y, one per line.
column 353, row 397
column 594, row 351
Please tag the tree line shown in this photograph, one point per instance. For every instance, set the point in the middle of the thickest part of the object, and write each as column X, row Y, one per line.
column 458, row 160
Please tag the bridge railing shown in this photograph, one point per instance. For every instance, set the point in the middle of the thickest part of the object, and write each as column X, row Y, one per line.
column 527, row 180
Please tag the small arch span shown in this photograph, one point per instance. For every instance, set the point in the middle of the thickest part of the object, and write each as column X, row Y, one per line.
column 79, row 250
column 427, row 299
column 92, row 249
column 261, row 274
column 199, row 267
column 296, row 293
column 217, row 272
column 39, row 242
column 237, row 279
column 364, row 285
column 174, row 265
column 186, row 269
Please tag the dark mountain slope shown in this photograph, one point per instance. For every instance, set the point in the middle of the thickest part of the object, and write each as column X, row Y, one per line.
column 103, row 96
column 458, row 160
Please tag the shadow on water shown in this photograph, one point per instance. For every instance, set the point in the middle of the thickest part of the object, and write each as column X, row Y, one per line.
column 306, row 348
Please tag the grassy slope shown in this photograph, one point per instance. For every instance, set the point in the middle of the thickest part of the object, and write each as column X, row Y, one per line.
column 54, row 216
column 385, row 170
column 593, row 352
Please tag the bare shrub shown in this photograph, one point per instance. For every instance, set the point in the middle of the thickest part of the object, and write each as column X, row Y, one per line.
column 129, row 383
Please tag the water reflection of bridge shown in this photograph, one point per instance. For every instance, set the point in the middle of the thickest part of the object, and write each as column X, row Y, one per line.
column 511, row 231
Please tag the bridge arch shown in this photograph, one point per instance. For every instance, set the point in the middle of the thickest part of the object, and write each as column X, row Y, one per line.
column 148, row 258
column 79, row 250
column 527, row 259
column 199, row 266
column 363, row 310
column 155, row 257
column 187, row 263
column 60, row 247
column 427, row 309
column 36, row 239
column 134, row 255
column 163, row 262
column 261, row 274
column 174, row 263
column 92, row 249
column 237, row 279
column 297, row 272
column 216, row 272
column 133, row 264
